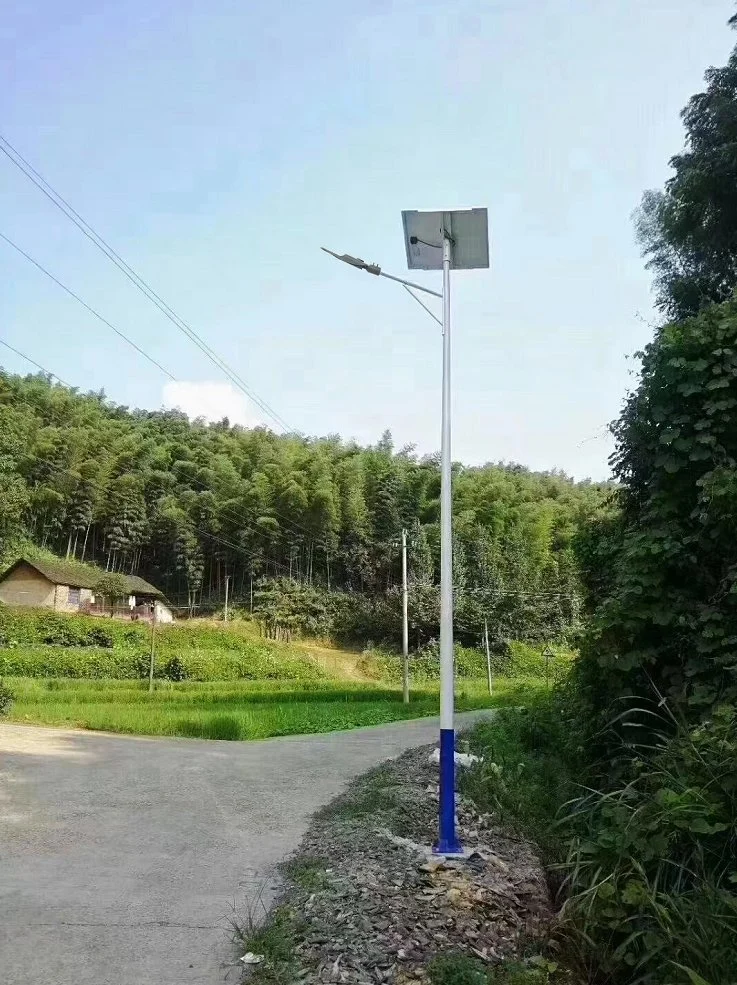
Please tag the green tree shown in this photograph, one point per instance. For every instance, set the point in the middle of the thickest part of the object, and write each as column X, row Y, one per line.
column 689, row 230
column 667, row 623
column 185, row 503
column 113, row 588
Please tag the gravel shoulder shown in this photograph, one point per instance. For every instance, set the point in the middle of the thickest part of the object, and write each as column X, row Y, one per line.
column 367, row 903
column 122, row 857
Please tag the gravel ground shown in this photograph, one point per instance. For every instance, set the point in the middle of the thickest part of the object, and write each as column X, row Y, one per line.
column 368, row 903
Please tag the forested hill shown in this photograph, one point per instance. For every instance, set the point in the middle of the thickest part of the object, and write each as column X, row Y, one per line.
column 184, row 503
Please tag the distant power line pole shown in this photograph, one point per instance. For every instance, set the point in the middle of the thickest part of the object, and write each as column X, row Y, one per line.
column 153, row 649
column 488, row 655
column 405, row 626
column 225, row 612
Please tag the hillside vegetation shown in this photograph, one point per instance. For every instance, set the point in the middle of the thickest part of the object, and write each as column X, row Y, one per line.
column 223, row 682
column 183, row 504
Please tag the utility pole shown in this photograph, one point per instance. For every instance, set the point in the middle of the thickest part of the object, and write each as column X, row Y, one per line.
column 488, row 656
column 225, row 611
column 405, row 626
column 251, row 593
column 153, row 649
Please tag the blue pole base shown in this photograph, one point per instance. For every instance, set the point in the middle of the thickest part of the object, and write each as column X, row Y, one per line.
column 447, row 843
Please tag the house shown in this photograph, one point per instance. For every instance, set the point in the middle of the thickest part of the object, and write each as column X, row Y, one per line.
column 69, row 586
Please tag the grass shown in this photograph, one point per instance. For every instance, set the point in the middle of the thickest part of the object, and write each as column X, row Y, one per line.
column 459, row 969
column 527, row 772
column 236, row 710
column 273, row 940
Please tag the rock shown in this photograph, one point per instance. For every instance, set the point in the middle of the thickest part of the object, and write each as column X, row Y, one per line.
column 250, row 958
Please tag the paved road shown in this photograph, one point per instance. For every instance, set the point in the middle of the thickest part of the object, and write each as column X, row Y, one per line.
column 121, row 858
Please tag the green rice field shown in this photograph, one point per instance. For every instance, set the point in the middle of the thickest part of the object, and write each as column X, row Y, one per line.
column 249, row 709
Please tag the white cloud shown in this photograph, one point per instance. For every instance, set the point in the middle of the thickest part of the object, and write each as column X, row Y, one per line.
column 210, row 400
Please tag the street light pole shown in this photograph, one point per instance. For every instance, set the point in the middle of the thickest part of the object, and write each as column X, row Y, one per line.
column 405, row 624
column 438, row 241
column 447, row 841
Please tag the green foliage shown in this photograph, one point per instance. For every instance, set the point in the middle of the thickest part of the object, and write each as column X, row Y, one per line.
column 75, row 662
column 113, row 587
column 275, row 939
column 244, row 709
column 6, row 698
column 175, row 669
column 286, row 608
column 651, row 872
column 457, row 969
column 307, row 871
column 185, row 504
column 666, row 620
column 651, row 859
column 460, row 969
column 39, row 643
column 24, row 627
column 689, row 231
column 254, row 662
column 529, row 769
column 514, row 661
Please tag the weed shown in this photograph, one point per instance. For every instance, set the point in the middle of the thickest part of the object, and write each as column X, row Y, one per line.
column 376, row 793
column 457, row 969
column 271, row 935
column 526, row 773
column 308, row 872
column 651, row 868
column 460, row 969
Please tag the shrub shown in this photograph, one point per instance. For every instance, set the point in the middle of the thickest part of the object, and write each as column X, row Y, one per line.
column 517, row 660
column 528, row 771
column 56, row 661
column 258, row 661
column 29, row 627
column 174, row 670
column 6, row 698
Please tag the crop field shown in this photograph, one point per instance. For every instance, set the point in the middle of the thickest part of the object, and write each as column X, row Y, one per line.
column 236, row 710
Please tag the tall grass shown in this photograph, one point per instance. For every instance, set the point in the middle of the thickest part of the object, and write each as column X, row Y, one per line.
column 651, row 872
column 527, row 770
column 647, row 866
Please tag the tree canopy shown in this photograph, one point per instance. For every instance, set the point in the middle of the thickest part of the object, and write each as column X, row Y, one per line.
column 689, row 230
column 667, row 619
column 185, row 503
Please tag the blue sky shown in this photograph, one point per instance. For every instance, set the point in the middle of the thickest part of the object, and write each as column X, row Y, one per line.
column 217, row 145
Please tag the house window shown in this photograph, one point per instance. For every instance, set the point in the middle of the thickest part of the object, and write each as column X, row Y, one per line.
column 74, row 596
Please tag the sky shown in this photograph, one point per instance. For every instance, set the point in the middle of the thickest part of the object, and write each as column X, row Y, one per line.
column 216, row 146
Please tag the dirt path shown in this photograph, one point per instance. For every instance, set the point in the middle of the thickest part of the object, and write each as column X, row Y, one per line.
column 343, row 664
column 120, row 858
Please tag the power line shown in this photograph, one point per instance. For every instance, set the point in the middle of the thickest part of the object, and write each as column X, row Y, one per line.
column 234, row 517
column 226, row 513
column 199, row 530
column 135, row 278
column 86, row 306
column 34, row 363
column 479, row 589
